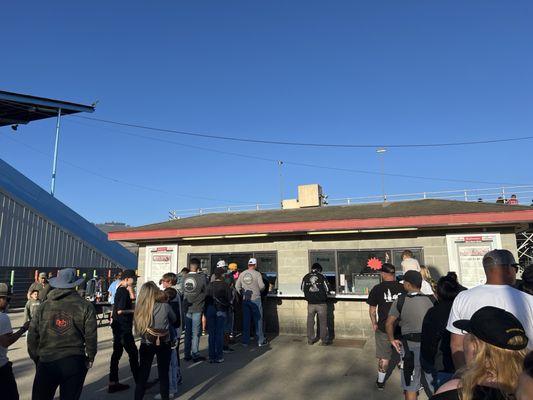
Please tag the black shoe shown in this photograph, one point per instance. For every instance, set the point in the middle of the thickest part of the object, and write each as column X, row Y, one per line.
column 151, row 384
column 227, row 349
column 310, row 342
column 325, row 343
column 198, row 359
column 380, row 385
column 187, row 358
column 117, row 387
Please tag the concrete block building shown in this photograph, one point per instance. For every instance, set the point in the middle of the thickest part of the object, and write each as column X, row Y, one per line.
column 350, row 242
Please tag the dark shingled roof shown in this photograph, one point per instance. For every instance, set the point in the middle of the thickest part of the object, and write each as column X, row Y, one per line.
column 358, row 211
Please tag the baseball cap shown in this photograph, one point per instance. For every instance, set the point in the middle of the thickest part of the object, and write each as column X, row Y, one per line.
column 4, row 289
column 128, row 273
column 494, row 326
column 252, row 261
column 388, row 268
column 413, row 277
column 42, row 275
column 498, row 257
column 221, row 264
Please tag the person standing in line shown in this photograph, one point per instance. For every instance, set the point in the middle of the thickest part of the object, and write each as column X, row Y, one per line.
column 8, row 384
column 410, row 310
column 152, row 319
column 122, row 326
column 409, row 262
column 113, row 288
column 315, row 288
column 500, row 269
column 42, row 286
column 31, row 306
column 435, row 352
column 249, row 285
column 428, row 284
column 495, row 348
column 380, row 300
column 194, row 287
column 62, row 340
column 218, row 302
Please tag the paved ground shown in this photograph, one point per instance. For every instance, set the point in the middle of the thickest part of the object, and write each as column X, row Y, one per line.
column 286, row 369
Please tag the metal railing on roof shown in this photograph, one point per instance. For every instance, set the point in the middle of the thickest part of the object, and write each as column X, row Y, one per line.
column 524, row 195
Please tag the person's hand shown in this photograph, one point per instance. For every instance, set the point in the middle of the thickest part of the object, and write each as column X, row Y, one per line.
column 88, row 364
column 397, row 345
column 374, row 327
column 26, row 325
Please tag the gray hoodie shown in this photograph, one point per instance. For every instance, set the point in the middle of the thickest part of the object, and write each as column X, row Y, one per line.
column 194, row 287
column 250, row 284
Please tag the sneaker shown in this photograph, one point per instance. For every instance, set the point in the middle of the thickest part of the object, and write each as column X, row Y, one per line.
column 219, row 361
column 204, row 333
column 380, row 385
column 198, row 359
column 263, row 343
column 325, row 343
column 171, row 395
column 117, row 387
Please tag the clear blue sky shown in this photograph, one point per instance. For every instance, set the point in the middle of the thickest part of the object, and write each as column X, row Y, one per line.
column 338, row 71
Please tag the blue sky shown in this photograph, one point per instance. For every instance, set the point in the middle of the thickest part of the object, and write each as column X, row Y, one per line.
column 341, row 71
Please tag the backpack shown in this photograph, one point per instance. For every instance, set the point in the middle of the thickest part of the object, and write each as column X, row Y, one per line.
column 399, row 307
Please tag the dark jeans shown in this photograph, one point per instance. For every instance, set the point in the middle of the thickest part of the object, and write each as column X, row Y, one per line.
column 215, row 326
column 68, row 373
column 8, row 385
column 123, row 340
column 252, row 311
column 320, row 310
column 147, row 352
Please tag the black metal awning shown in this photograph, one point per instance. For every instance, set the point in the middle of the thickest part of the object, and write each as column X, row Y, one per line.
column 18, row 108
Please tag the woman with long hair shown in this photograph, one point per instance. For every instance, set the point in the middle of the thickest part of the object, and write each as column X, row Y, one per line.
column 428, row 283
column 152, row 319
column 495, row 348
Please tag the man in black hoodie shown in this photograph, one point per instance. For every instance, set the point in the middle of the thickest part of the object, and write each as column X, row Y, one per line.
column 315, row 288
column 62, row 339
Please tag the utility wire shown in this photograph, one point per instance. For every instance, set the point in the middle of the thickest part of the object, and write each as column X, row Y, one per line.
column 299, row 164
column 304, row 144
column 112, row 179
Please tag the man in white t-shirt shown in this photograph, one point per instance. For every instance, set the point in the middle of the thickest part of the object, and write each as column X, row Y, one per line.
column 500, row 269
column 8, row 385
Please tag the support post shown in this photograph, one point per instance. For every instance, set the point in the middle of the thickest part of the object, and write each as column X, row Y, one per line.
column 56, row 148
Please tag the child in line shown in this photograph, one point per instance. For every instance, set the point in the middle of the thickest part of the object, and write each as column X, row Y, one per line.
column 31, row 306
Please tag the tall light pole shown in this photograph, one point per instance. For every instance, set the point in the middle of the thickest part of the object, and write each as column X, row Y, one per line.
column 381, row 154
column 280, row 170
column 56, row 149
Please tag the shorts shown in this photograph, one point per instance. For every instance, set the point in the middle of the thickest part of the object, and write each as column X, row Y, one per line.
column 383, row 346
column 415, row 383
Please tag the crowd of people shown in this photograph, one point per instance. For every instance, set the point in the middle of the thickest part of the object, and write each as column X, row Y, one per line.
column 451, row 342
column 62, row 327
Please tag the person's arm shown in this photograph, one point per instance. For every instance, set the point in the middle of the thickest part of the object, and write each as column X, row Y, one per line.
column 27, row 313
column 171, row 315
column 91, row 335
column 389, row 328
column 456, row 346
column 8, row 339
column 261, row 282
column 456, row 337
column 326, row 286
column 33, row 336
column 238, row 284
column 373, row 318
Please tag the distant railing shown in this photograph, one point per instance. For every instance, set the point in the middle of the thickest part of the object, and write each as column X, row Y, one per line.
column 524, row 195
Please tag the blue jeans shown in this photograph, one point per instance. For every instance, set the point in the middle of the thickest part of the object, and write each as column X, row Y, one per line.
column 193, row 330
column 215, row 327
column 252, row 310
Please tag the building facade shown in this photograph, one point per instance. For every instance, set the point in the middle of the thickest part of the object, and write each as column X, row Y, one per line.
column 350, row 242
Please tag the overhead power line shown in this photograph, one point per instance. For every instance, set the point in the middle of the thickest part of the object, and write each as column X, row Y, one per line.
column 296, row 163
column 305, row 144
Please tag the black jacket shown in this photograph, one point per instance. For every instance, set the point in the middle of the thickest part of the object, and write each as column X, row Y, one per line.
column 435, row 352
column 315, row 288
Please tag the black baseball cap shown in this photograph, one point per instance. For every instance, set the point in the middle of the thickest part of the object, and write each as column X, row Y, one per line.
column 388, row 268
column 413, row 277
column 494, row 326
column 499, row 257
column 129, row 273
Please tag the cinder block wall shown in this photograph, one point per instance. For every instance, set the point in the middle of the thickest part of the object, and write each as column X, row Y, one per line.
column 289, row 315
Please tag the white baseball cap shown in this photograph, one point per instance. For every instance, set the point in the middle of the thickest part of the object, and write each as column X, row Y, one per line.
column 221, row 264
column 252, row 261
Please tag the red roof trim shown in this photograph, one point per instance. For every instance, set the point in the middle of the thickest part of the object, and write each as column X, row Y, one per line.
column 348, row 224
